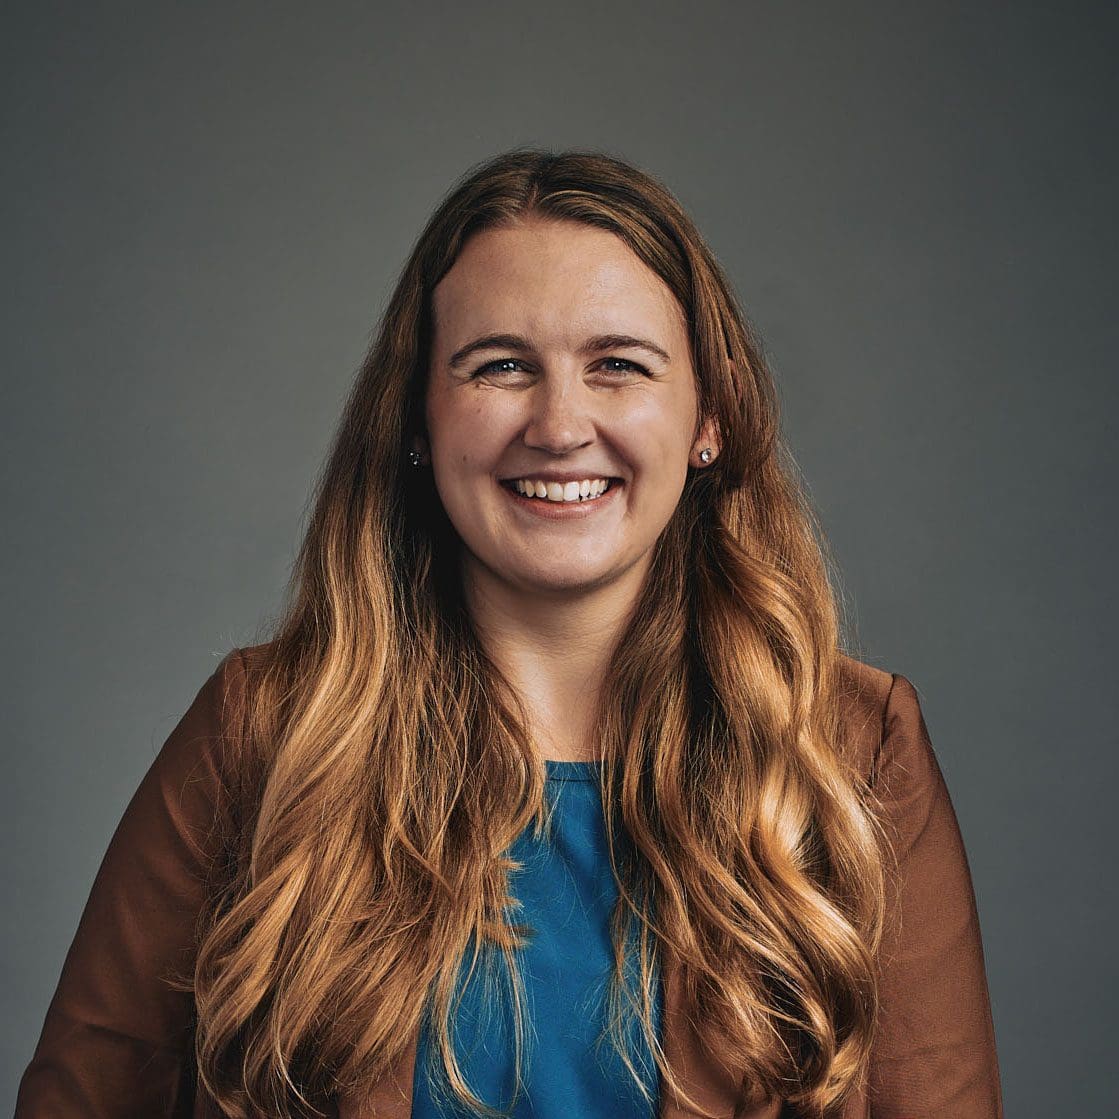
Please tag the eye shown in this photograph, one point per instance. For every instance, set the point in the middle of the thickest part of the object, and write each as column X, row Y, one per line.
column 629, row 365
column 492, row 366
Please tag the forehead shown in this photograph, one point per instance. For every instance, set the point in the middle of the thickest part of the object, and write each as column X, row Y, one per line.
column 558, row 280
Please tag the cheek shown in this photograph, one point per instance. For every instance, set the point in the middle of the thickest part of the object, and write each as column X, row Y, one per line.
column 656, row 435
column 468, row 434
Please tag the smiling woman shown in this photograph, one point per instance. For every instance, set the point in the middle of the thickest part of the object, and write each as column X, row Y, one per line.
column 554, row 792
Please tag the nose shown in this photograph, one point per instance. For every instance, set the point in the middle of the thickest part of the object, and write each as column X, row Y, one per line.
column 560, row 415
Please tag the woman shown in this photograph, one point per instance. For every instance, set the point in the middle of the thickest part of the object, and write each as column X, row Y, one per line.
column 553, row 790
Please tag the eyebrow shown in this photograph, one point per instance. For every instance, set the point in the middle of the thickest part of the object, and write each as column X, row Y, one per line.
column 596, row 345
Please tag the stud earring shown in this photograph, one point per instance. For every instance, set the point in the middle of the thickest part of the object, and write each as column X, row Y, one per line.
column 414, row 457
column 705, row 454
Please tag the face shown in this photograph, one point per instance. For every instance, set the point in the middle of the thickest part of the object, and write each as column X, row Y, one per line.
column 591, row 381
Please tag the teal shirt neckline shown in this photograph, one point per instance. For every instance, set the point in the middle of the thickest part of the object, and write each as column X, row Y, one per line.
column 557, row 770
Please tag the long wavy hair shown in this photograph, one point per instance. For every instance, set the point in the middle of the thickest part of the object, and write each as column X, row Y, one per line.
column 384, row 767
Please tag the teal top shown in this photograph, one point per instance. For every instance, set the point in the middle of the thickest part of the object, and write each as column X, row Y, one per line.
column 567, row 891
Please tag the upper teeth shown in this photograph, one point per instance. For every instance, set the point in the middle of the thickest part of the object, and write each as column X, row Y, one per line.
column 561, row 491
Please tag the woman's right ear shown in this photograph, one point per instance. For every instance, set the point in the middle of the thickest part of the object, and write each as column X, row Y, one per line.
column 419, row 454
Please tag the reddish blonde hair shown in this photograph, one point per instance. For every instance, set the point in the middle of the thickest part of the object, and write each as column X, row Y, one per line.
column 385, row 766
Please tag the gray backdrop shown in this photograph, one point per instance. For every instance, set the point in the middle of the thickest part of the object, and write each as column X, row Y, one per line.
column 205, row 207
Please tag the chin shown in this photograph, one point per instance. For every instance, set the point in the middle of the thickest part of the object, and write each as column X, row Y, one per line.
column 552, row 577
column 578, row 579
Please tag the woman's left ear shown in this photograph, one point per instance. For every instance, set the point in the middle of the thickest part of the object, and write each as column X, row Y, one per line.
column 706, row 447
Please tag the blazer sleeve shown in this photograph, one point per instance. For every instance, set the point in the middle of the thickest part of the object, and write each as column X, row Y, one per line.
column 934, row 1055
column 118, row 1040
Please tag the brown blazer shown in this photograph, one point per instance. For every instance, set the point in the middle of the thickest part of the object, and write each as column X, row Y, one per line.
column 118, row 1042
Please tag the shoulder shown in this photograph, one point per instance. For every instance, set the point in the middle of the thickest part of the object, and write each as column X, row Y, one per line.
column 205, row 750
column 863, row 693
column 886, row 737
column 880, row 716
column 234, row 680
column 231, row 689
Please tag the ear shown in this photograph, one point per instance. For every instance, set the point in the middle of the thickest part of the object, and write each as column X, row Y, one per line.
column 419, row 443
column 708, row 437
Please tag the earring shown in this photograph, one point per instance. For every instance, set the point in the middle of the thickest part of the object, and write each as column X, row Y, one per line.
column 414, row 457
column 705, row 454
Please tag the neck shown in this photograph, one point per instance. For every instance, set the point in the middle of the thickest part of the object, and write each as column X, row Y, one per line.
column 554, row 647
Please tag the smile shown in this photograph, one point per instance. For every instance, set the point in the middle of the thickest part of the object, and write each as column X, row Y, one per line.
column 560, row 491
column 560, row 506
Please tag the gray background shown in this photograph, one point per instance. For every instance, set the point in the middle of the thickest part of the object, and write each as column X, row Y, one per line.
column 206, row 205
